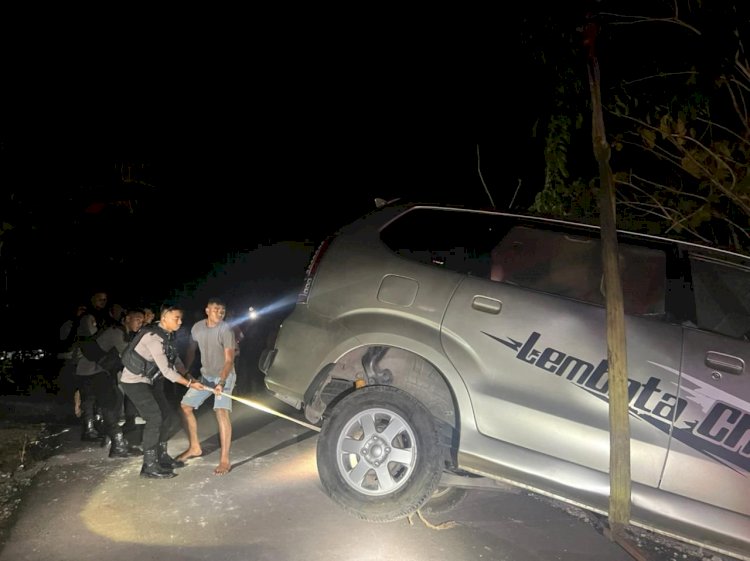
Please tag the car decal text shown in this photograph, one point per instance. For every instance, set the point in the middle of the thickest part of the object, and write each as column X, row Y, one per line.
column 722, row 434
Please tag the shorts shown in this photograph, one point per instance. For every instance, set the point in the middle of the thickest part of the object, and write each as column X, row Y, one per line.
column 195, row 398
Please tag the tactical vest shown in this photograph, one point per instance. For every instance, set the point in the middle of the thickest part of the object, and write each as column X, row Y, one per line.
column 139, row 365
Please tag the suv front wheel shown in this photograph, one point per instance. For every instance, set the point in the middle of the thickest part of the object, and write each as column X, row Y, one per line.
column 378, row 454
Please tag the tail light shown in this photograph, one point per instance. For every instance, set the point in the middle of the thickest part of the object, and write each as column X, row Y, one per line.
column 311, row 269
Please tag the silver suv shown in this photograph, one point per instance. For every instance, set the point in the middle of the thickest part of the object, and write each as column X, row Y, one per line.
column 430, row 340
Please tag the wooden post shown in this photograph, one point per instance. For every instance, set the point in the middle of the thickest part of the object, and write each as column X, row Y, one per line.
column 619, row 427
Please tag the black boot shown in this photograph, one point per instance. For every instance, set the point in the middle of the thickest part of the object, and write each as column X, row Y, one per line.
column 88, row 432
column 165, row 460
column 120, row 447
column 151, row 467
column 99, row 421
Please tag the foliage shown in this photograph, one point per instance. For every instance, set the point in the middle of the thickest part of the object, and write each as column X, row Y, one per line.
column 704, row 190
column 561, row 196
column 680, row 134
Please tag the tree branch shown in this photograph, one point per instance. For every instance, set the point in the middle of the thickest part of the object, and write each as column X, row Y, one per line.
column 662, row 75
column 675, row 19
column 736, row 136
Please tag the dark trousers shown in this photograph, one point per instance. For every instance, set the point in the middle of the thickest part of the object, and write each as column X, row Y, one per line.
column 88, row 398
column 130, row 410
column 153, row 408
column 101, row 390
column 67, row 382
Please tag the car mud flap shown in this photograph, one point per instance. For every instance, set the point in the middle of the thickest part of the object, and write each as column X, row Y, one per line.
column 324, row 390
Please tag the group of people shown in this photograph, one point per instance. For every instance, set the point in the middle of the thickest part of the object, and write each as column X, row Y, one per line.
column 119, row 363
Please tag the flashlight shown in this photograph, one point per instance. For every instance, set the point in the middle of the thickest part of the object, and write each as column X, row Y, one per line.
column 252, row 313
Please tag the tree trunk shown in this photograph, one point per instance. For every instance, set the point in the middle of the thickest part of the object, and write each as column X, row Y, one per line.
column 619, row 435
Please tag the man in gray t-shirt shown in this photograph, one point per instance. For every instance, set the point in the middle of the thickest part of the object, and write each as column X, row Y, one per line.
column 215, row 340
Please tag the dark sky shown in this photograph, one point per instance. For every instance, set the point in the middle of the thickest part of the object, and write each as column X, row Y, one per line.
column 271, row 126
column 209, row 196
column 288, row 187
column 244, row 144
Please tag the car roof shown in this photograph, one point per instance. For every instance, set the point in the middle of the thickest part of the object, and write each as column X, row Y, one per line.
column 390, row 210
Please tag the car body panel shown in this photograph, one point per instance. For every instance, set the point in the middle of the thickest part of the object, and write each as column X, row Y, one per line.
column 709, row 460
column 527, row 368
column 537, row 375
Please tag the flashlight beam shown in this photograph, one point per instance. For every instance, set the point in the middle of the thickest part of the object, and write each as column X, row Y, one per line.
column 261, row 407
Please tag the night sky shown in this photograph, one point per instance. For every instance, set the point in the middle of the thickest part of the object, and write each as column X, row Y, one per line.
column 239, row 140
column 205, row 208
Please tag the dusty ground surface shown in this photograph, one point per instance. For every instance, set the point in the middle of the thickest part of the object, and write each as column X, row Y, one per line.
column 31, row 432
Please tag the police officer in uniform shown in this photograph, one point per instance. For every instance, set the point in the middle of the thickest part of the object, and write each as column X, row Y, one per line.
column 152, row 353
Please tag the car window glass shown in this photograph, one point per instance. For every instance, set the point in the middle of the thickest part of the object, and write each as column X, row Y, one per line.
column 551, row 262
column 722, row 296
column 566, row 263
column 644, row 279
column 449, row 239
column 571, row 265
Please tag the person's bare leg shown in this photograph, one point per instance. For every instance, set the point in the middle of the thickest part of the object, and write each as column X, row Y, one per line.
column 191, row 425
column 225, row 440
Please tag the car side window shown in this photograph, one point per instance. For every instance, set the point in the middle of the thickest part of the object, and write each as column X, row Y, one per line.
column 570, row 265
column 722, row 296
column 565, row 263
column 549, row 261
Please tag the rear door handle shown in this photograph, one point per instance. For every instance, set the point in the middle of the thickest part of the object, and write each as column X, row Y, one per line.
column 725, row 363
column 487, row 305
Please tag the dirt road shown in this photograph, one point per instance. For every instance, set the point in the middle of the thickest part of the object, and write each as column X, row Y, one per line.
column 84, row 506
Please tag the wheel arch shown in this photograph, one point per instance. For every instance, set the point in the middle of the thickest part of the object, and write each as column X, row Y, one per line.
column 387, row 364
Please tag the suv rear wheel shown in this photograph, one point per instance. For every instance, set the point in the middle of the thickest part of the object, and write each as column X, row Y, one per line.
column 378, row 454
